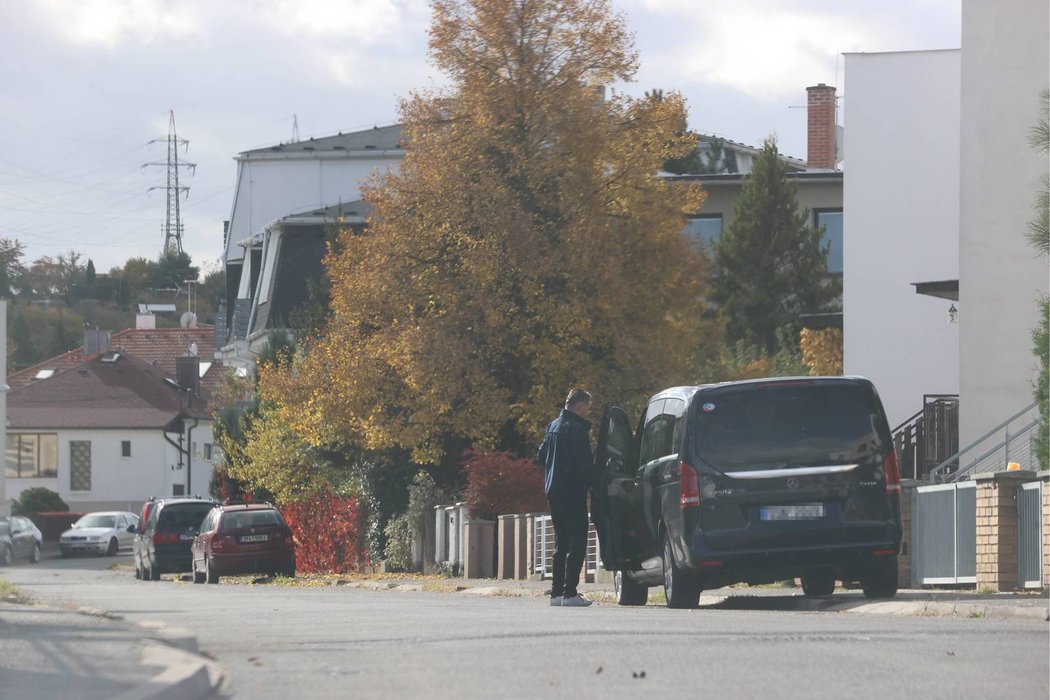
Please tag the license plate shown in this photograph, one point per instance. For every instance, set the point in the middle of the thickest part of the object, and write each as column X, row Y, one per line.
column 186, row 538
column 801, row 511
column 254, row 538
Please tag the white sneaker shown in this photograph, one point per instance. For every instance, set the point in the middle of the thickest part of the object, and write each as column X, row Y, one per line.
column 576, row 601
column 556, row 601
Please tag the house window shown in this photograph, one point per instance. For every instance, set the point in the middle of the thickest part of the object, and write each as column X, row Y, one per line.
column 831, row 220
column 31, row 456
column 703, row 231
column 125, row 448
column 79, row 465
column 207, row 451
column 178, row 489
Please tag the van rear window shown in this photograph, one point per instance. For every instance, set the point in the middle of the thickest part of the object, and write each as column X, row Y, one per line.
column 182, row 516
column 788, row 425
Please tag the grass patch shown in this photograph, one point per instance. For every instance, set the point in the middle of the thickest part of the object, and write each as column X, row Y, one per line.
column 9, row 593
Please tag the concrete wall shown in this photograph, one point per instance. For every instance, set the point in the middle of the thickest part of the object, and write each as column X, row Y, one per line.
column 721, row 197
column 123, row 483
column 271, row 188
column 901, row 223
column 1005, row 65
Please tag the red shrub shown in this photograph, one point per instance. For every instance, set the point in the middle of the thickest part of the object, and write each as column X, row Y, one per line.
column 499, row 483
column 327, row 532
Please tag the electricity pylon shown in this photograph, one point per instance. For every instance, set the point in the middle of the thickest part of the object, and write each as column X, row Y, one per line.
column 173, row 219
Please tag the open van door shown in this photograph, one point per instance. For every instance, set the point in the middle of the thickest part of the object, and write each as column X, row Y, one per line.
column 613, row 483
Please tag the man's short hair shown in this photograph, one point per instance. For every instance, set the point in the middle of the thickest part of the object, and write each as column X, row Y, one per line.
column 576, row 396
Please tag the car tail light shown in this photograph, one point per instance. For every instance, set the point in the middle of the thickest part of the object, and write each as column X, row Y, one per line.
column 688, row 486
column 892, row 473
column 217, row 544
column 165, row 537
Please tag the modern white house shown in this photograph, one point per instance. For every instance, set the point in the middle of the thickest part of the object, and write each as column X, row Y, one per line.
column 109, row 432
column 940, row 284
column 277, row 188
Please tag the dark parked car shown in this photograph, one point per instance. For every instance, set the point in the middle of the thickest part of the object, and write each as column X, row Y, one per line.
column 754, row 481
column 19, row 539
column 163, row 540
column 243, row 539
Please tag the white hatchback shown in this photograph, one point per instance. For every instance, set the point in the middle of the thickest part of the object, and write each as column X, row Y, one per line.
column 99, row 533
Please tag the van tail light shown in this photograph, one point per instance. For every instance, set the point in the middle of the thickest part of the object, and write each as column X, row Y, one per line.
column 892, row 471
column 165, row 537
column 688, row 486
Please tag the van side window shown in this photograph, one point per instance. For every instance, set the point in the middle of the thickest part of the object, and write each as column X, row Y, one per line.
column 657, row 438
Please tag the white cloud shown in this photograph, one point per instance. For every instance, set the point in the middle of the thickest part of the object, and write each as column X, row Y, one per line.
column 108, row 23
column 366, row 21
column 763, row 49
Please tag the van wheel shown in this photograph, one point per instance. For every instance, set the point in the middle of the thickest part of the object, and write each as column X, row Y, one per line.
column 818, row 583
column 880, row 579
column 680, row 589
column 628, row 591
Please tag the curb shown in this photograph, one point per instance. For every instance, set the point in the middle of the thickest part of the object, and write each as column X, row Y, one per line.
column 937, row 609
column 185, row 675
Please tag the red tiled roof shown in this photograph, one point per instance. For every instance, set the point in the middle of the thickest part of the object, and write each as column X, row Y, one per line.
column 124, row 393
column 157, row 346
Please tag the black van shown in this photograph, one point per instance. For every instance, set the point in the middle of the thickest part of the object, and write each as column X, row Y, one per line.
column 752, row 481
column 163, row 540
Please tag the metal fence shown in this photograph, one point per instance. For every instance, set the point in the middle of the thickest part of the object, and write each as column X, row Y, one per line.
column 944, row 534
column 543, row 551
column 1030, row 535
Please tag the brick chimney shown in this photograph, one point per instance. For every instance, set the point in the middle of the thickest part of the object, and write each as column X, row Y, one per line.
column 821, row 133
column 187, row 373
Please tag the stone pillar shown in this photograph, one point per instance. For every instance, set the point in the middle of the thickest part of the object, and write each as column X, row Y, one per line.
column 908, row 487
column 997, row 528
column 521, row 547
column 477, row 548
column 505, row 549
column 440, row 535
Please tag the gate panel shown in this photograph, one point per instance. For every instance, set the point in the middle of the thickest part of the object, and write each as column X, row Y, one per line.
column 1030, row 535
column 944, row 534
column 966, row 532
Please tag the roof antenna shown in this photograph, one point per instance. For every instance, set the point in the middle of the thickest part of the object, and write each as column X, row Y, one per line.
column 295, row 128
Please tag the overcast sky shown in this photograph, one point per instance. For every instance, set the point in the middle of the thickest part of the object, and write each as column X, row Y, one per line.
column 85, row 84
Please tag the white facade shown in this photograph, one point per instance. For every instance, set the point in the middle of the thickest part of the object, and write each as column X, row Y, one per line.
column 1005, row 65
column 901, row 221
column 270, row 187
column 123, row 483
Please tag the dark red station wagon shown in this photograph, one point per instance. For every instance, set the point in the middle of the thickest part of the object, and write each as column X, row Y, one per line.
column 243, row 539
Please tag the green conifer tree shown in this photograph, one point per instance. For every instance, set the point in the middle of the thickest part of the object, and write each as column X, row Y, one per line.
column 770, row 264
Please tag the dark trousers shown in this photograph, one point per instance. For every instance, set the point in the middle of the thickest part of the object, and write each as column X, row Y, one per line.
column 570, row 545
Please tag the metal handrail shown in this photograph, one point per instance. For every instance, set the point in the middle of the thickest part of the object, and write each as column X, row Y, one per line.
column 1013, row 436
column 935, row 472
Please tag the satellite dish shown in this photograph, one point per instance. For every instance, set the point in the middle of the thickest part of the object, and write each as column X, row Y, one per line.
column 188, row 320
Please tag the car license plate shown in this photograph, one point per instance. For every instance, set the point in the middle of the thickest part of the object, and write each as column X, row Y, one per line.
column 801, row 511
column 186, row 537
column 254, row 538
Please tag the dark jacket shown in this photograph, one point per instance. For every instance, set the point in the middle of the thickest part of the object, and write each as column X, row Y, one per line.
column 565, row 454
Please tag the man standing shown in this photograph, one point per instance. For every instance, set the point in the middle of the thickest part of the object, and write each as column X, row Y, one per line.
column 568, row 464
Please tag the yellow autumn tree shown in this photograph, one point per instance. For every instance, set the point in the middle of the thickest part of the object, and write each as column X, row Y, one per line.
column 524, row 247
column 822, row 351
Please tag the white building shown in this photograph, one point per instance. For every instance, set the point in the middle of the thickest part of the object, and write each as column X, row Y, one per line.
column 110, row 432
column 938, row 191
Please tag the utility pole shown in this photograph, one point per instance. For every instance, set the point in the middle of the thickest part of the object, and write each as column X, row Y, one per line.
column 173, row 218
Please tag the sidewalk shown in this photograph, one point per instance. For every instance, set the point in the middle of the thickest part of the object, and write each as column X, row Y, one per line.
column 958, row 603
column 55, row 652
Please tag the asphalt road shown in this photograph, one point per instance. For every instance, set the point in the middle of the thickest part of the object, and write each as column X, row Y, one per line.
column 336, row 642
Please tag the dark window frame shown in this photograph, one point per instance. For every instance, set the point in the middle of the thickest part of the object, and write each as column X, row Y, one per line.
column 815, row 213
column 125, row 448
column 36, row 471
